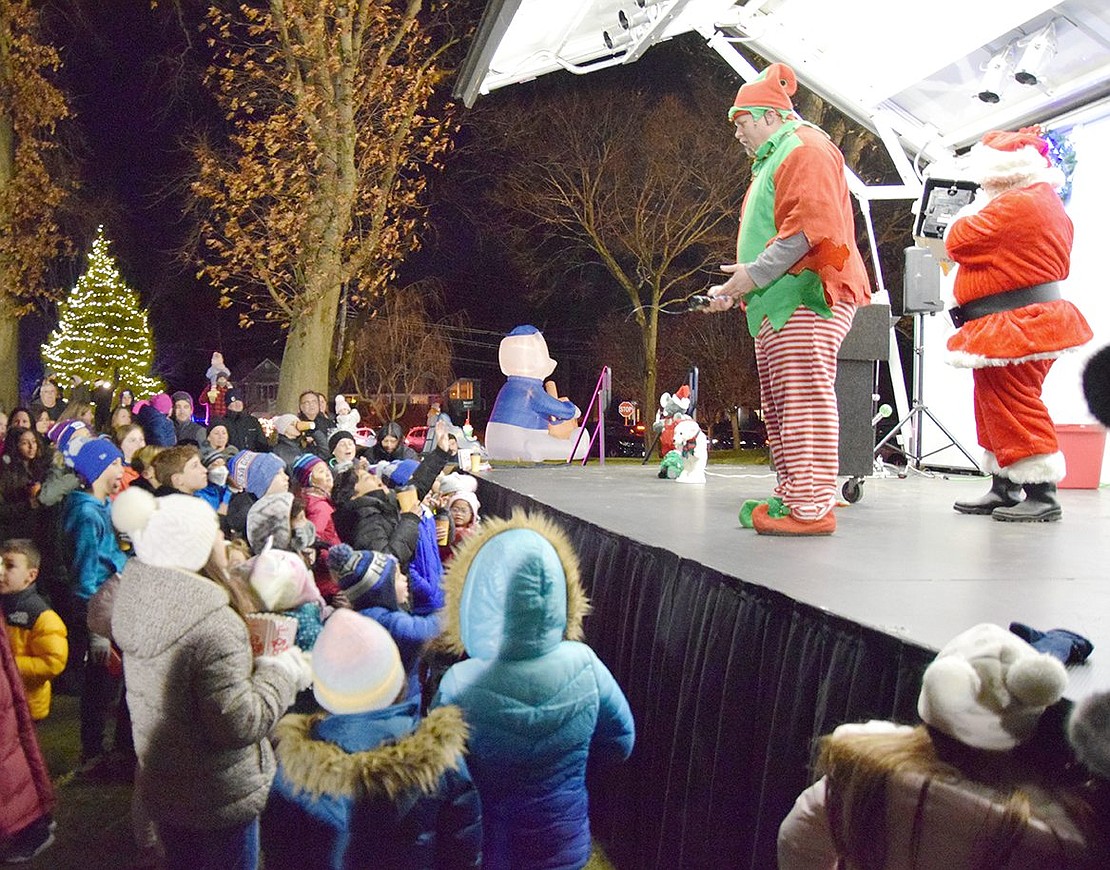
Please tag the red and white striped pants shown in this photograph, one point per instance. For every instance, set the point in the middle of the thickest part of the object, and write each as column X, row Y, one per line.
column 797, row 378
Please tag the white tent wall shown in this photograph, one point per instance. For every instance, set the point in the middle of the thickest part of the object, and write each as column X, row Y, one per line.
column 947, row 390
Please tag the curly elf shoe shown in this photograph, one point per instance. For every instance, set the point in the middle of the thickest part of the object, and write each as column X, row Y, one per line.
column 768, row 522
column 751, row 504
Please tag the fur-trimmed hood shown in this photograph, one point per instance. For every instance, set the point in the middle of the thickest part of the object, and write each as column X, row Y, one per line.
column 416, row 761
column 513, row 590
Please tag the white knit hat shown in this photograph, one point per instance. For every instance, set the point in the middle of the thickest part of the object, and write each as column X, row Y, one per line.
column 987, row 688
column 455, row 482
column 356, row 667
column 174, row 531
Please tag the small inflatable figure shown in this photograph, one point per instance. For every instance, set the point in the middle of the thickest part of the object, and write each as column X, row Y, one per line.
column 691, row 441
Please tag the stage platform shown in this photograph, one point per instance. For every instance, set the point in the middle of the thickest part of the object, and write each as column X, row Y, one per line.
column 737, row 650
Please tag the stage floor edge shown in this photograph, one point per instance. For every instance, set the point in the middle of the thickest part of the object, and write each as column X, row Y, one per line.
column 902, row 561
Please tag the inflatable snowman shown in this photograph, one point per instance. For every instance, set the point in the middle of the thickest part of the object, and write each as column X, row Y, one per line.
column 527, row 423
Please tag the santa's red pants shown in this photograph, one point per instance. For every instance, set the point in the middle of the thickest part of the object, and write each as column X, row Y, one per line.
column 797, row 385
column 1010, row 419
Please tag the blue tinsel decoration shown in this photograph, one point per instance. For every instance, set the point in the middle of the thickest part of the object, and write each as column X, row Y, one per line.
column 1062, row 154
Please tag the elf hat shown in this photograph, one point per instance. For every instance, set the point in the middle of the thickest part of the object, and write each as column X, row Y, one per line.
column 174, row 531
column 987, row 688
column 772, row 89
column 356, row 667
column 366, row 576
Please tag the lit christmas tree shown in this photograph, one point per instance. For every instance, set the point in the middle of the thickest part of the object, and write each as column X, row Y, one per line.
column 102, row 333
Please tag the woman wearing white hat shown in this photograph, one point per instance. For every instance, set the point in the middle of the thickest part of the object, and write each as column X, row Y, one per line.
column 201, row 704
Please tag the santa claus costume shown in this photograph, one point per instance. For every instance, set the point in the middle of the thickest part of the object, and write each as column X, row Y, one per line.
column 1012, row 245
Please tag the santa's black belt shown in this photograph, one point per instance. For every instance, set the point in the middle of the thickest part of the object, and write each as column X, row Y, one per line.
column 1007, row 301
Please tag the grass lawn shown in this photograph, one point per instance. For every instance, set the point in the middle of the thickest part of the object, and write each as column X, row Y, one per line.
column 94, row 822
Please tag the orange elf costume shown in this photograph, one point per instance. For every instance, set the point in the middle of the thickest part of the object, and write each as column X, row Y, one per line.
column 1012, row 245
column 797, row 239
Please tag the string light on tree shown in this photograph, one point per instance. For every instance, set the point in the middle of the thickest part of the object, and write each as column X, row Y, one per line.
column 102, row 333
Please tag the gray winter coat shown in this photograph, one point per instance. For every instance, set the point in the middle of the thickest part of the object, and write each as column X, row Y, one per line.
column 201, row 705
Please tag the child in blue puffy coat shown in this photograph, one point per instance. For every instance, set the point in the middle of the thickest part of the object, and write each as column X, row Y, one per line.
column 538, row 701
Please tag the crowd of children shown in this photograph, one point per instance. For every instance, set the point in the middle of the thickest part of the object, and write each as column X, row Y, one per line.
column 207, row 576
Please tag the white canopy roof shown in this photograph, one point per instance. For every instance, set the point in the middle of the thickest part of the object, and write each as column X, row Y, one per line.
column 911, row 72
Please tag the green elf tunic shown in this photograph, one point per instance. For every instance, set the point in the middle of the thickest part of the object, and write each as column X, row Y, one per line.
column 798, row 186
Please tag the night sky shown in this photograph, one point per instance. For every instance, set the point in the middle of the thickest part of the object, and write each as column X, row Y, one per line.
column 133, row 79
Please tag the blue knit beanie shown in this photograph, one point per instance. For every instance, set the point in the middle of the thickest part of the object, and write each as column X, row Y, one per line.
column 261, row 473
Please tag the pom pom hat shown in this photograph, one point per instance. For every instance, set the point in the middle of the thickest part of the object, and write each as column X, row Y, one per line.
column 365, row 575
column 987, row 688
column 281, row 580
column 174, row 531
column 772, row 89
column 356, row 667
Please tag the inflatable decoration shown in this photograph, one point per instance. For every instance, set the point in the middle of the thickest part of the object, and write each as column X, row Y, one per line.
column 527, row 422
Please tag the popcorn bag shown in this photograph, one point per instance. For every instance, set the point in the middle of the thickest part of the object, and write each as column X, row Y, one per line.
column 271, row 633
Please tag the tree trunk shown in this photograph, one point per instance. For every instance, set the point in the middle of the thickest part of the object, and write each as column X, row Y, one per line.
column 9, row 359
column 651, row 340
column 306, row 360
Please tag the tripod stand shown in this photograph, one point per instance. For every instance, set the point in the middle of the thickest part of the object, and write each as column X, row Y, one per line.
column 919, row 410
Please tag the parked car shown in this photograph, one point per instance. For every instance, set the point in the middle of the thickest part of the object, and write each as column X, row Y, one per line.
column 624, row 440
column 416, row 437
column 752, row 436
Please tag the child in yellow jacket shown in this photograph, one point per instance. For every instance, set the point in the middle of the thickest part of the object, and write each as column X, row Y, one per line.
column 37, row 634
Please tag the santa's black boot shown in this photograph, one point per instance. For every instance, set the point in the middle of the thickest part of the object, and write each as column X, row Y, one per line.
column 1003, row 493
column 1040, row 506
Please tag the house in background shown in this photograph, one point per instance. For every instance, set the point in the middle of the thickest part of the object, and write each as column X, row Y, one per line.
column 260, row 388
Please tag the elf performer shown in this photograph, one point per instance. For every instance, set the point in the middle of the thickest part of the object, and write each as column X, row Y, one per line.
column 799, row 278
column 1012, row 245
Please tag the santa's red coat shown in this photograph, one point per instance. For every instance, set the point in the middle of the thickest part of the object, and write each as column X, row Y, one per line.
column 1020, row 238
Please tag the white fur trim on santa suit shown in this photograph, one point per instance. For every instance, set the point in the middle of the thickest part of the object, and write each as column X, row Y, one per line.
column 1006, row 169
column 961, row 360
column 1045, row 468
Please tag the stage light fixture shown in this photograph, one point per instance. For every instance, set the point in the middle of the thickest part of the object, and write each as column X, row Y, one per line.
column 995, row 74
column 1040, row 48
